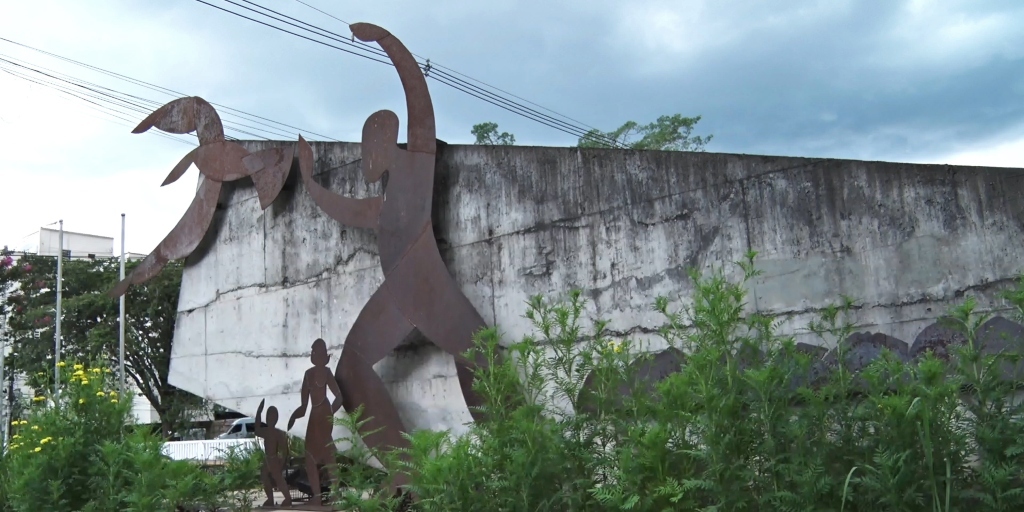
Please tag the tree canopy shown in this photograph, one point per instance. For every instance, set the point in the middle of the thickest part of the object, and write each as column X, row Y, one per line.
column 487, row 133
column 89, row 326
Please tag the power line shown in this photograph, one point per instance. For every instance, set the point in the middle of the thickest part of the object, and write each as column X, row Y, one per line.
column 452, row 81
column 436, row 65
column 118, row 98
column 449, row 79
column 253, row 118
column 292, row 33
column 112, row 112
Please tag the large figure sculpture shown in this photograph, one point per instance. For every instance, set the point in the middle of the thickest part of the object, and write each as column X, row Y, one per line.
column 418, row 294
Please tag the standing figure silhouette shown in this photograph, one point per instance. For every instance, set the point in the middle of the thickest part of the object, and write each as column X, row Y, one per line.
column 418, row 294
column 320, row 449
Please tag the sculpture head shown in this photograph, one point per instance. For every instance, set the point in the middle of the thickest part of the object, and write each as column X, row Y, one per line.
column 318, row 355
column 380, row 139
column 272, row 416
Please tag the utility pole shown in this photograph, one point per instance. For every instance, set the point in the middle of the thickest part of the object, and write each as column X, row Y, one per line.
column 121, row 322
column 56, row 337
column 5, row 410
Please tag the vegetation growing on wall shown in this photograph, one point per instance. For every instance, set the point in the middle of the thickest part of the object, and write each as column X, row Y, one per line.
column 667, row 133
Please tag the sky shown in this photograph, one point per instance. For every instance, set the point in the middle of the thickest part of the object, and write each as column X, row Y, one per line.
column 923, row 81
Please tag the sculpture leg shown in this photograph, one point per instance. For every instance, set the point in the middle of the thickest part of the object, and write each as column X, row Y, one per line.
column 282, row 485
column 313, row 474
column 268, row 486
column 379, row 328
column 444, row 315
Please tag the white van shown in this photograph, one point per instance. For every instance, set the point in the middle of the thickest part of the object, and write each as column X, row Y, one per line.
column 242, row 428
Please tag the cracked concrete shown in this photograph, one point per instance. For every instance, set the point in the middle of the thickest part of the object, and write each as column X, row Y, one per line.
column 907, row 241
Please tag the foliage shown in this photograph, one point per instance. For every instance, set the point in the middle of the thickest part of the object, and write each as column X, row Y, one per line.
column 667, row 133
column 487, row 133
column 238, row 479
column 89, row 328
column 740, row 427
column 76, row 452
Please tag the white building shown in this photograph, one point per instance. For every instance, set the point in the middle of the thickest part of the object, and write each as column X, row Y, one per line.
column 46, row 242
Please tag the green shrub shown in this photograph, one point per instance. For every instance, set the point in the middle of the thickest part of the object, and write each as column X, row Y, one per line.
column 738, row 428
column 77, row 452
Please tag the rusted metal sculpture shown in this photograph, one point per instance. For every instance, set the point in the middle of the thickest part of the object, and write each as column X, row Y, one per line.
column 418, row 295
column 275, row 456
column 320, row 449
column 218, row 161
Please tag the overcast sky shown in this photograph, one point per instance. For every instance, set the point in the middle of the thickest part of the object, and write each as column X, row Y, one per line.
column 914, row 81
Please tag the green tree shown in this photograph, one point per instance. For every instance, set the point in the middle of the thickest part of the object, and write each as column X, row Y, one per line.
column 667, row 133
column 487, row 134
column 89, row 327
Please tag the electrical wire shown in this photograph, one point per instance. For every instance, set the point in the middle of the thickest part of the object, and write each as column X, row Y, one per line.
column 98, row 107
column 222, row 109
column 450, row 80
column 118, row 97
column 436, row 65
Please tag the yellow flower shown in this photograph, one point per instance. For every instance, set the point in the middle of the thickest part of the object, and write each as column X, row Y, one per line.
column 95, row 370
column 24, row 422
column 38, row 398
column 40, row 373
column 85, row 381
column 81, row 400
column 16, row 436
column 79, row 367
column 78, row 373
column 113, row 394
column 38, row 449
column 13, row 446
column 113, row 400
column 62, row 364
column 100, row 393
column 106, row 370
column 35, row 427
column 615, row 346
column 45, row 440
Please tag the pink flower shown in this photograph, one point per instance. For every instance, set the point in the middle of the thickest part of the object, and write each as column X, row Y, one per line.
column 27, row 267
column 6, row 261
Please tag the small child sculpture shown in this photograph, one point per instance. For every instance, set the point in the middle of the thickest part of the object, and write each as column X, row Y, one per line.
column 275, row 448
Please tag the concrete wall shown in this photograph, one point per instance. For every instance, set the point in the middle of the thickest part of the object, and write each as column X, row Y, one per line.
column 906, row 240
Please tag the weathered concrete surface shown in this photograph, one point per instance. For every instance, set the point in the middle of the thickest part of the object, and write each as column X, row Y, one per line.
column 906, row 240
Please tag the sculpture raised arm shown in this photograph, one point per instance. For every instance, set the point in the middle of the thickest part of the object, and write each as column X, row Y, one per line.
column 422, row 132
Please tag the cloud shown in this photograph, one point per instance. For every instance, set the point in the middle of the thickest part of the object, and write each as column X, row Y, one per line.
column 913, row 80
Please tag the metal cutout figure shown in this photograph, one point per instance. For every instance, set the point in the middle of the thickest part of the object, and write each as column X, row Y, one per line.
column 320, row 449
column 218, row 161
column 418, row 294
column 275, row 456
